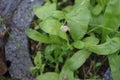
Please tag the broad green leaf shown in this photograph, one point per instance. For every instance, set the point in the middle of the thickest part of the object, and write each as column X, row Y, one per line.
column 45, row 11
column 78, row 20
column 37, row 36
column 58, row 14
column 111, row 17
column 109, row 47
column 96, row 20
column 86, row 41
column 38, row 59
column 91, row 40
column 67, row 9
column 78, row 44
column 66, row 74
column 95, row 24
column 48, row 76
column 77, row 60
column 42, row 38
column 80, row 2
column 114, row 61
column 57, row 39
column 73, row 64
column 53, row 27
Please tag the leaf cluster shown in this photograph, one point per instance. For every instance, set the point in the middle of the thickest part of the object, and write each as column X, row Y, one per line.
column 74, row 32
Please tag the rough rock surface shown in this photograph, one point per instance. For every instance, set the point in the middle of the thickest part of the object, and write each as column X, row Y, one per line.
column 17, row 51
column 107, row 75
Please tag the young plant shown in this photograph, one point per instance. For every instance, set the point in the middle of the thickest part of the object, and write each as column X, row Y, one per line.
column 74, row 32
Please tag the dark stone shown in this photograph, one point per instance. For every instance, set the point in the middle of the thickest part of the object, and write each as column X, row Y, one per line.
column 17, row 51
column 7, row 7
column 107, row 75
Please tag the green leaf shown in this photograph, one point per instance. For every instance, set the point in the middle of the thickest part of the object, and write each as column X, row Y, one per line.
column 111, row 17
column 96, row 20
column 78, row 59
column 99, row 7
column 73, row 64
column 67, row 9
column 78, row 20
column 42, row 38
column 48, row 52
column 34, row 70
column 78, row 44
column 114, row 61
column 38, row 59
column 97, row 10
column 45, row 11
column 109, row 47
column 48, row 76
column 58, row 14
column 37, row 36
column 86, row 41
column 53, row 27
column 80, row 2
column 57, row 39
column 102, row 2
column 66, row 74
column 91, row 40
column 98, row 64
column 95, row 24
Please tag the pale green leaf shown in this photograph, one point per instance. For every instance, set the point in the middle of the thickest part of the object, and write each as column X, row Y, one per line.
column 66, row 74
column 77, row 60
column 67, row 9
column 53, row 27
column 42, row 38
column 78, row 20
column 72, row 64
column 37, row 36
column 45, row 11
column 109, row 47
column 58, row 14
column 57, row 39
column 111, row 17
column 91, row 40
column 78, row 44
column 38, row 59
column 48, row 76
column 114, row 61
column 86, row 41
